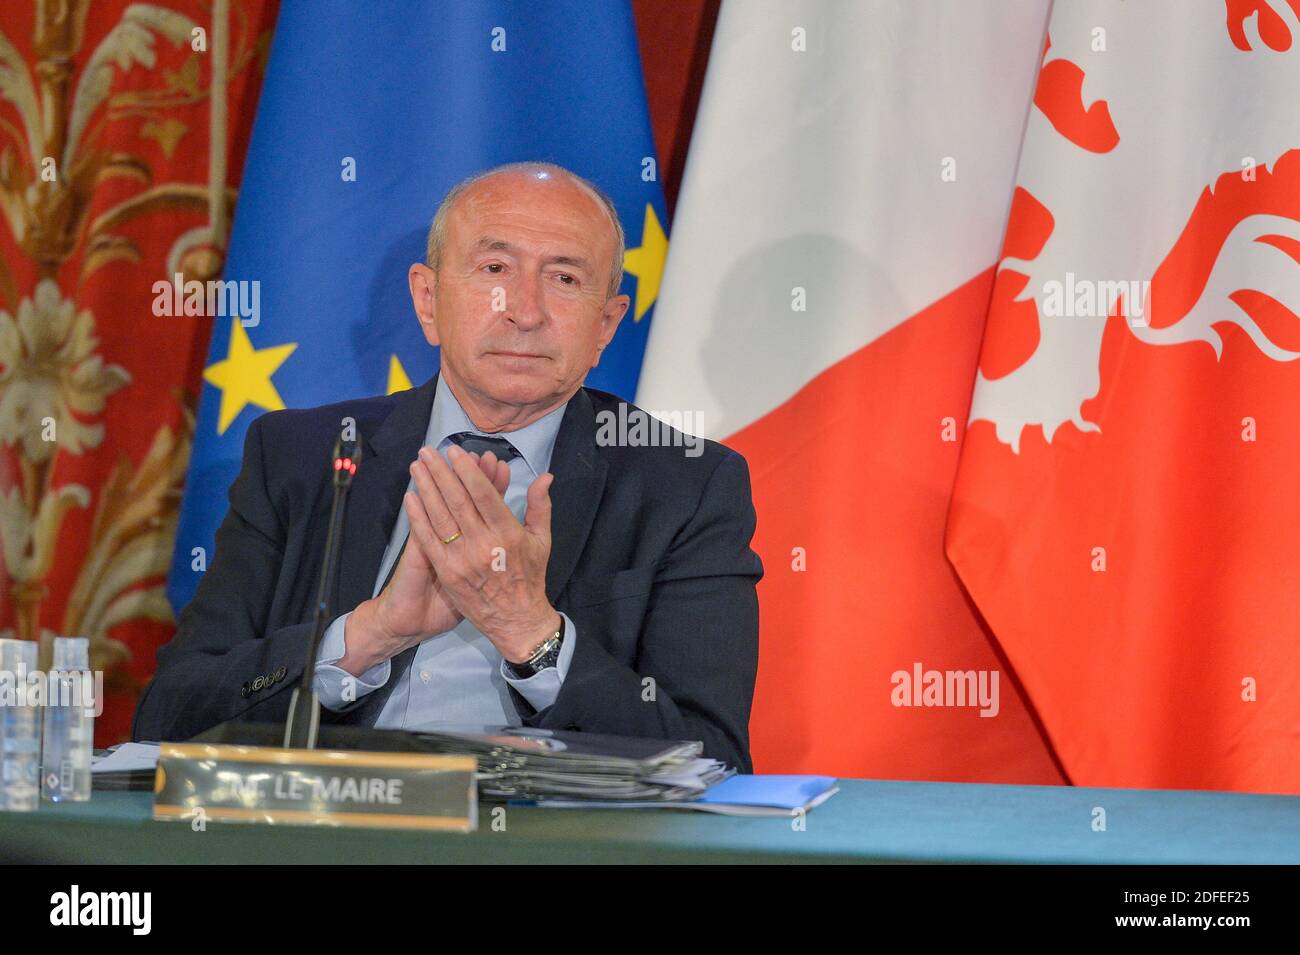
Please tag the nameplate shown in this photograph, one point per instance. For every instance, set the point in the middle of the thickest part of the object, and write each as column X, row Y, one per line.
column 228, row 783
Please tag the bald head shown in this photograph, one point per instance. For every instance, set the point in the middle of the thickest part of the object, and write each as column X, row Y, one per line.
column 519, row 178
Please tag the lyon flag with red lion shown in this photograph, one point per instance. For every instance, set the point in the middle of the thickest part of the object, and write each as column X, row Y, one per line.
column 1021, row 396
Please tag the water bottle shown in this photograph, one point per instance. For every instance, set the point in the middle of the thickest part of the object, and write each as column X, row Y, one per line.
column 69, row 723
column 20, row 730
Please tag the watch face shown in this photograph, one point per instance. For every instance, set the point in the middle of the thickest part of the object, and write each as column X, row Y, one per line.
column 526, row 669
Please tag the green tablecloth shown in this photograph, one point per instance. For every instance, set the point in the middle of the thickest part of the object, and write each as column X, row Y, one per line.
column 867, row 821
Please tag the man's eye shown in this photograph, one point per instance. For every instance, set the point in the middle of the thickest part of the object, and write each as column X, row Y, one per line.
column 567, row 279
column 494, row 265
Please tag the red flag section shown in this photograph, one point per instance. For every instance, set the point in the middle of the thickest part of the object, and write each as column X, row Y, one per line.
column 852, row 478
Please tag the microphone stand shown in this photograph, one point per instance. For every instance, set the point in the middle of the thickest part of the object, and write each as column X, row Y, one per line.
column 303, row 723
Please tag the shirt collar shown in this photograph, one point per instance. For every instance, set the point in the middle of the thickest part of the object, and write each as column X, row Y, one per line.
column 534, row 441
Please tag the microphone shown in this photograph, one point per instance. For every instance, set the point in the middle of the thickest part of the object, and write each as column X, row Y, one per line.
column 303, row 723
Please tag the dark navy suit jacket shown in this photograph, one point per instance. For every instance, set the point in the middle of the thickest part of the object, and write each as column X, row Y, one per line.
column 650, row 558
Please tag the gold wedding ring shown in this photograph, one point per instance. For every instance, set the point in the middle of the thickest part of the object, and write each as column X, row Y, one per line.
column 448, row 540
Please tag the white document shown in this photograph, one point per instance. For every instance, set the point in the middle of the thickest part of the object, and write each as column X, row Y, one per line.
column 127, row 758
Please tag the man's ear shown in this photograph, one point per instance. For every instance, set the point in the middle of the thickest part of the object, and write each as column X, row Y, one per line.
column 610, row 317
column 423, row 283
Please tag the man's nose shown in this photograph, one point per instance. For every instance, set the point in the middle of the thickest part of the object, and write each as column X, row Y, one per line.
column 524, row 305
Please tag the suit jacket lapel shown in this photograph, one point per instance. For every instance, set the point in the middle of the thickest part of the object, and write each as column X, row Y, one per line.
column 373, row 503
column 377, row 490
column 575, row 495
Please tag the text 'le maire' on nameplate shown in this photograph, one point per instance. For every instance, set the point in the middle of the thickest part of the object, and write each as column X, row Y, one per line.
column 228, row 783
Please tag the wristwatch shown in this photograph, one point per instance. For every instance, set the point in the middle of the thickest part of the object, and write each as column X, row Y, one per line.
column 546, row 655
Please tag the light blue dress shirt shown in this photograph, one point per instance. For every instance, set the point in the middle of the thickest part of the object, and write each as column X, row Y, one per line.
column 457, row 676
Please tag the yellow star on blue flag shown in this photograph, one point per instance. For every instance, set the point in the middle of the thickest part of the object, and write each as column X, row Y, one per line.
column 244, row 376
column 646, row 262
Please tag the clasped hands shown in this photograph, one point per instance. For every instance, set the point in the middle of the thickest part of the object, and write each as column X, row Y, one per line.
column 469, row 557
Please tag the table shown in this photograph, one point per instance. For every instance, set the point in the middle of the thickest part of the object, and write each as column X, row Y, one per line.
column 867, row 821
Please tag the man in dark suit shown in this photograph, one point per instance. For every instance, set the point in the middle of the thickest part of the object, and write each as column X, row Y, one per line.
column 512, row 552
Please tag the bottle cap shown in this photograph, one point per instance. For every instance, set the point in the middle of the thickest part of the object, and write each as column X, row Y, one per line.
column 71, row 653
column 15, row 653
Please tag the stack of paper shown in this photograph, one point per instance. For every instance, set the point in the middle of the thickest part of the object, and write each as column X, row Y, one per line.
column 129, row 766
column 529, row 764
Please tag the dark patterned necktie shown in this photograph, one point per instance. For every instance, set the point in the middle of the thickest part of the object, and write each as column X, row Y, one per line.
column 482, row 443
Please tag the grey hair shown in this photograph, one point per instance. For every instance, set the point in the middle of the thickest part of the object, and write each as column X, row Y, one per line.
column 438, row 230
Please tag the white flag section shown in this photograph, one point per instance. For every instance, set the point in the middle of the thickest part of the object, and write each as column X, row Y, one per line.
column 850, row 164
column 845, row 197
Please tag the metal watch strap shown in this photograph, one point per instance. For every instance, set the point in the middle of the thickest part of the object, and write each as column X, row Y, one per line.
column 546, row 655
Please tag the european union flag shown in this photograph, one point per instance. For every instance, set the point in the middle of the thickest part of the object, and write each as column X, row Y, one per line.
column 368, row 114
